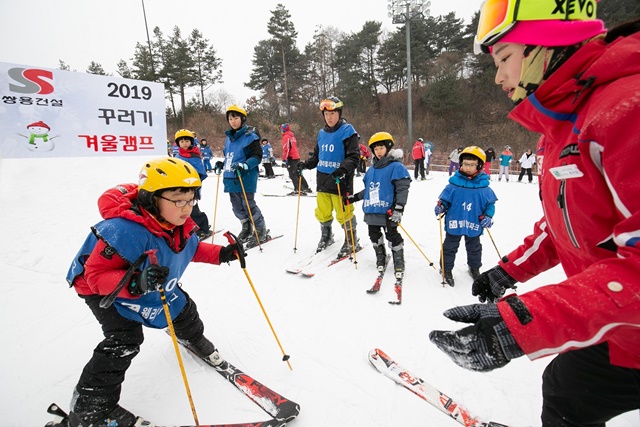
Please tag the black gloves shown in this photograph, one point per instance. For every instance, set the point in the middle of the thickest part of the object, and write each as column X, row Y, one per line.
column 492, row 284
column 339, row 174
column 228, row 253
column 301, row 166
column 148, row 280
column 483, row 346
column 218, row 167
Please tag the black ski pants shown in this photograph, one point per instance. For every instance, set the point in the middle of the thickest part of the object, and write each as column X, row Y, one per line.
column 450, row 249
column 418, row 168
column 292, row 168
column 390, row 231
column 581, row 388
column 101, row 379
column 528, row 172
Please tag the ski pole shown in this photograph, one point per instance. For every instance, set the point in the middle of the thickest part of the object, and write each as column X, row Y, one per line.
column 344, row 223
column 494, row 243
column 441, row 252
column 215, row 208
column 246, row 200
column 416, row 245
column 240, row 255
column 154, row 260
column 295, row 240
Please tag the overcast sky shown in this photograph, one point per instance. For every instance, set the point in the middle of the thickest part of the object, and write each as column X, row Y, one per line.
column 41, row 32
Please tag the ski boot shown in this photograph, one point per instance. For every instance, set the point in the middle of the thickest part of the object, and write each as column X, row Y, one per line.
column 246, row 232
column 397, row 252
column 347, row 247
column 381, row 256
column 204, row 234
column 263, row 236
column 204, row 349
column 448, row 278
column 326, row 238
column 474, row 272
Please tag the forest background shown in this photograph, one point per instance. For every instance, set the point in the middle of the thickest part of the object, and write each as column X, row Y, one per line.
column 455, row 101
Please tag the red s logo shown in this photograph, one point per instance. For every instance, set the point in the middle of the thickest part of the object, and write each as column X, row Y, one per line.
column 33, row 81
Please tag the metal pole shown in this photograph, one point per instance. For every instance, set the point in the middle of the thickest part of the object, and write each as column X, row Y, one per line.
column 409, row 115
column 144, row 13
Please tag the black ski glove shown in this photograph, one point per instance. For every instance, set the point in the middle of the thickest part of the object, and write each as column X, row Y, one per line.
column 218, row 167
column 300, row 167
column 484, row 346
column 492, row 284
column 228, row 253
column 148, row 280
column 339, row 174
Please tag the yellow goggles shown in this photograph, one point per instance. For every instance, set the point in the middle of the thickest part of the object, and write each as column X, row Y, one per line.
column 497, row 17
column 329, row 105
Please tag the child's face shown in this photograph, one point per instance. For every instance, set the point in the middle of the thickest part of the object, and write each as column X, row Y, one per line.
column 508, row 59
column 468, row 166
column 168, row 209
column 184, row 143
column 235, row 121
column 379, row 151
column 331, row 117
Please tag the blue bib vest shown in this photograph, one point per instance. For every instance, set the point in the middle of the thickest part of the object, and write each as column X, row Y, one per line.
column 117, row 233
column 379, row 190
column 331, row 147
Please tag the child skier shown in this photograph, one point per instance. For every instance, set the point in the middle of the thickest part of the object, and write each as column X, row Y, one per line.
column 468, row 204
column 336, row 156
column 242, row 155
column 150, row 215
column 267, row 158
column 189, row 151
column 386, row 189
column 207, row 154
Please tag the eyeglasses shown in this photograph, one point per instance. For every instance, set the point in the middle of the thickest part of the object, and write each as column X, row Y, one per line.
column 469, row 165
column 181, row 203
column 329, row 105
column 497, row 17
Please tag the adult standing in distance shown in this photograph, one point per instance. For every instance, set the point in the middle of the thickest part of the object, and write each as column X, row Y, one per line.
column 291, row 158
column 572, row 82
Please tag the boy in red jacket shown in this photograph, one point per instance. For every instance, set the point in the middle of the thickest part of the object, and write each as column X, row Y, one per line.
column 151, row 215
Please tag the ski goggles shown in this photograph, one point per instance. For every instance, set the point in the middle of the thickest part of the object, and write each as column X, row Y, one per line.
column 329, row 105
column 497, row 17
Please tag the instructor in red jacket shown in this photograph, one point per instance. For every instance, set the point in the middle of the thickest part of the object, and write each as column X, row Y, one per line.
column 576, row 85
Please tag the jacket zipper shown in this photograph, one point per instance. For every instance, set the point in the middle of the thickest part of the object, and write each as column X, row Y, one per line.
column 562, row 204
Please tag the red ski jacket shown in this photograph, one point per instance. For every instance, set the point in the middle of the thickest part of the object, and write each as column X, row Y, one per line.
column 588, row 113
column 289, row 147
column 417, row 151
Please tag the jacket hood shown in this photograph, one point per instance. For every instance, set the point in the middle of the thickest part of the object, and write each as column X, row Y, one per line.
column 394, row 155
column 478, row 181
column 121, row 201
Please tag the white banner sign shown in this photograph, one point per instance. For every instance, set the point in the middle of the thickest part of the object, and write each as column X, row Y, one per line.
column 55, row 113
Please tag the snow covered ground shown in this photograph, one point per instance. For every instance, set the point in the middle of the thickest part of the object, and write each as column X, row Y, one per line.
column 327, row 323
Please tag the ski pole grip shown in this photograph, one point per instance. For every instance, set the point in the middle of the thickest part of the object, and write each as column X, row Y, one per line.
column 231, row 238
column 151, row 253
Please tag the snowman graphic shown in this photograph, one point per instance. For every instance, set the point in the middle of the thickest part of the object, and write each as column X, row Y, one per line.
column 39, row 139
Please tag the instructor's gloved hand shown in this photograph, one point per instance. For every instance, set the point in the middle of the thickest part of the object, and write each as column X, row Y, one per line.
column 484, row 346
column 486, row 221
column 228, row 253
column 148, row 280
column 218, row 167
column 396, row 214
column 239, row 166
column 492, row 284
column 339, row 174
